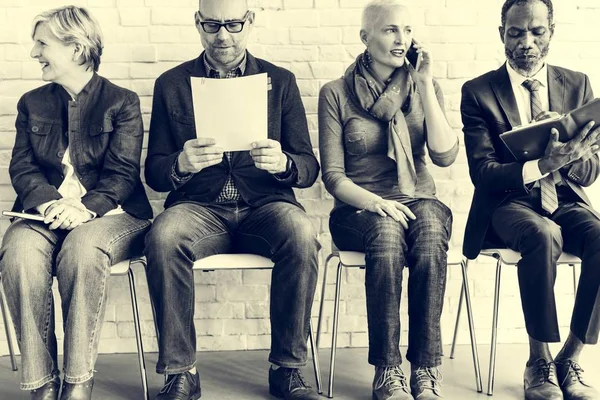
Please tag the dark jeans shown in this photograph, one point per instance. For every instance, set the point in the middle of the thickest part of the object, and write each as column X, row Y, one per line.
column 540, row 239
column 388, row 248
column 189, row 231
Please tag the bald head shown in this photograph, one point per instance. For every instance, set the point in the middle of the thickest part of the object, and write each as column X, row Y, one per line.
column 226, row 4
column 375, row 9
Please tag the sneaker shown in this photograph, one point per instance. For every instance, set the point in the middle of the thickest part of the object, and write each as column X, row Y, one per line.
column 390, row 383
column 184, row 386
column 288, row 383
column 426, row 383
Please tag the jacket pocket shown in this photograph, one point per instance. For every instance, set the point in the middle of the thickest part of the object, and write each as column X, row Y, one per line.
column 355, row 143
column 38, row 127
column 98, row 128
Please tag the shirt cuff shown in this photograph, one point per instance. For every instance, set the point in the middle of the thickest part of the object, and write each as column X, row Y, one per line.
column 44, row 206
column 531, row 172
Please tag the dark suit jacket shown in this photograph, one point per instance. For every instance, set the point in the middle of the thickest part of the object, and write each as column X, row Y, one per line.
column 172, row 124
column 489, row 108
column 104, row 136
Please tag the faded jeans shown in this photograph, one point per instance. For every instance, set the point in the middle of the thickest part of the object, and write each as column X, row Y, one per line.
column 187, row 232
column 388, row 247
column 30, row 256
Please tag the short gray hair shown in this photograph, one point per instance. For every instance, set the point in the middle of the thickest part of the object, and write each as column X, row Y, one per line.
column 75, row 25
column 376, row 7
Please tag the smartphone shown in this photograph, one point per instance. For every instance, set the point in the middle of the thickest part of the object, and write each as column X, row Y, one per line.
column 413, row 57
column 34, row 217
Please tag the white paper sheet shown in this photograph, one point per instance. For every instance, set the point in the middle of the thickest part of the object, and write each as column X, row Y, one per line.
column 232, row 111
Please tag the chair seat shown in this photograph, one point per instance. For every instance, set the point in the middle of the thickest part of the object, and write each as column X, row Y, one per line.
column 233, row 261
column 455, row 257
column 352, row 258
column 512, row 257
column 120, row 268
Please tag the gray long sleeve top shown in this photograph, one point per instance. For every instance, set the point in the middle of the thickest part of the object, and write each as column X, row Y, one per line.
column 353, row 145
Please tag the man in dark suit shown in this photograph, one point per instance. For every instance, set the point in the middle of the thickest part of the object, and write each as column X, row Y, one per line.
column 223, row 202
column 538, row 207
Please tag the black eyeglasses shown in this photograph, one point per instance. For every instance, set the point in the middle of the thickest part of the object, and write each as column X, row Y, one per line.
column 234, row 26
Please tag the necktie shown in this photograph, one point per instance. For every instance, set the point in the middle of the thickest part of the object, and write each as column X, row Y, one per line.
column 547, row 187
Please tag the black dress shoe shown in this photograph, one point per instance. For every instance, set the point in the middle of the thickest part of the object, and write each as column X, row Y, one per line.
column 289, row 384
column 184, row 386
column 570, row 378
column 540, row 382
column 77, row 391
column 47, row 392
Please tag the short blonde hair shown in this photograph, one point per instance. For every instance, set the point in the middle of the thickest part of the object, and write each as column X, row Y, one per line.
column 376, row 7
column 75, row 25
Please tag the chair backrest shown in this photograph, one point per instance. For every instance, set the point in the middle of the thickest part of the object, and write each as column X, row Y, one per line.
column 233, row 261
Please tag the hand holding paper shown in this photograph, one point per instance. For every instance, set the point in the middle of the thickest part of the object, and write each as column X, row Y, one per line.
column 198, row 154
column 267, row 155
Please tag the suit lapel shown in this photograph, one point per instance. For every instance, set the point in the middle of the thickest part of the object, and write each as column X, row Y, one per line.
column 505, row 96
column 556, row 90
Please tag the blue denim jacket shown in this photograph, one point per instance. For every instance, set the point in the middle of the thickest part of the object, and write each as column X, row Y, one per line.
column 104, row 132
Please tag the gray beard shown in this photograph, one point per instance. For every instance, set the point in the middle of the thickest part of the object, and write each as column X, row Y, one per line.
column 530, row 69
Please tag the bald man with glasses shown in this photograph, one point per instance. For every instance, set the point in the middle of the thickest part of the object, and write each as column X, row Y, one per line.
column 225, row 202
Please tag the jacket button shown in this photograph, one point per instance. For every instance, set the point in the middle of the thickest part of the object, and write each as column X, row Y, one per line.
column 34, row 129
column 60, row 154
column 99, row 129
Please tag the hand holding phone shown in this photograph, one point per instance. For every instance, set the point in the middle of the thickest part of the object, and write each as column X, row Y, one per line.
column 413, row 56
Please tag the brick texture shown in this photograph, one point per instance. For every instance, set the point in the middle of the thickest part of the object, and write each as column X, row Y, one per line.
column 316, row 39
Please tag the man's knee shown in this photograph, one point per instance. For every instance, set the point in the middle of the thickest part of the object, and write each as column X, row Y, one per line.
column 542, row 235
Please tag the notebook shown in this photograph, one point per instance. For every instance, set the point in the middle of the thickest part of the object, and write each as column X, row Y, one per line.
column 529, row 142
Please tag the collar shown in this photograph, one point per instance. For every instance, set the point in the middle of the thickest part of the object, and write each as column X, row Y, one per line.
column 209, row 68
column 90, row 87
column 517, row 79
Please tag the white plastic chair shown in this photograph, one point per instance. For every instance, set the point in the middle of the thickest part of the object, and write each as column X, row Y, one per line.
column 353, row 259
column 221, row 262
column 507, row 257
column 119, row 269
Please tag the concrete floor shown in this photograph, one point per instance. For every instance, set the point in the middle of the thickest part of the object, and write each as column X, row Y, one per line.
column 243, row 375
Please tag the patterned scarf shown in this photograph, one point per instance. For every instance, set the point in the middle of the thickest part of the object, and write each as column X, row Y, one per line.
column 384, row 103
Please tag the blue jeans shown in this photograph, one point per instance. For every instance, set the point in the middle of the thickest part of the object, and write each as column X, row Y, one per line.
column 388, row 248
column 80, row 259
column 187, row 232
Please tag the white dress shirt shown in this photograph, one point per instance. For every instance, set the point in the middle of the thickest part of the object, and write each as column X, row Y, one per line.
column 531, row 169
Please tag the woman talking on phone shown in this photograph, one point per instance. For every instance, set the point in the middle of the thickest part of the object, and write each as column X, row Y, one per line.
column 76, row 160
column 374, row 125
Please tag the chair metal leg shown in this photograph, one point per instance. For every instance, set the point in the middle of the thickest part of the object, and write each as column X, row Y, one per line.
column 336, row 315
column 474, row 351
column 9, row 338
column 315, row 356
column 322, row 304
column 456, row 325
column 575, row 279
column 138, row 334
column 492, row 368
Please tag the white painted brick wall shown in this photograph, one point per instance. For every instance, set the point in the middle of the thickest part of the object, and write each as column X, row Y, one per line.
column 315, row 39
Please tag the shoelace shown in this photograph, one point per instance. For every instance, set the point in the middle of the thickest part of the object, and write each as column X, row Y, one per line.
column 545, row 370
column 575, row 371
column 429, row 378
column 392, row 377
column 175, row 380
column 295, row 379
